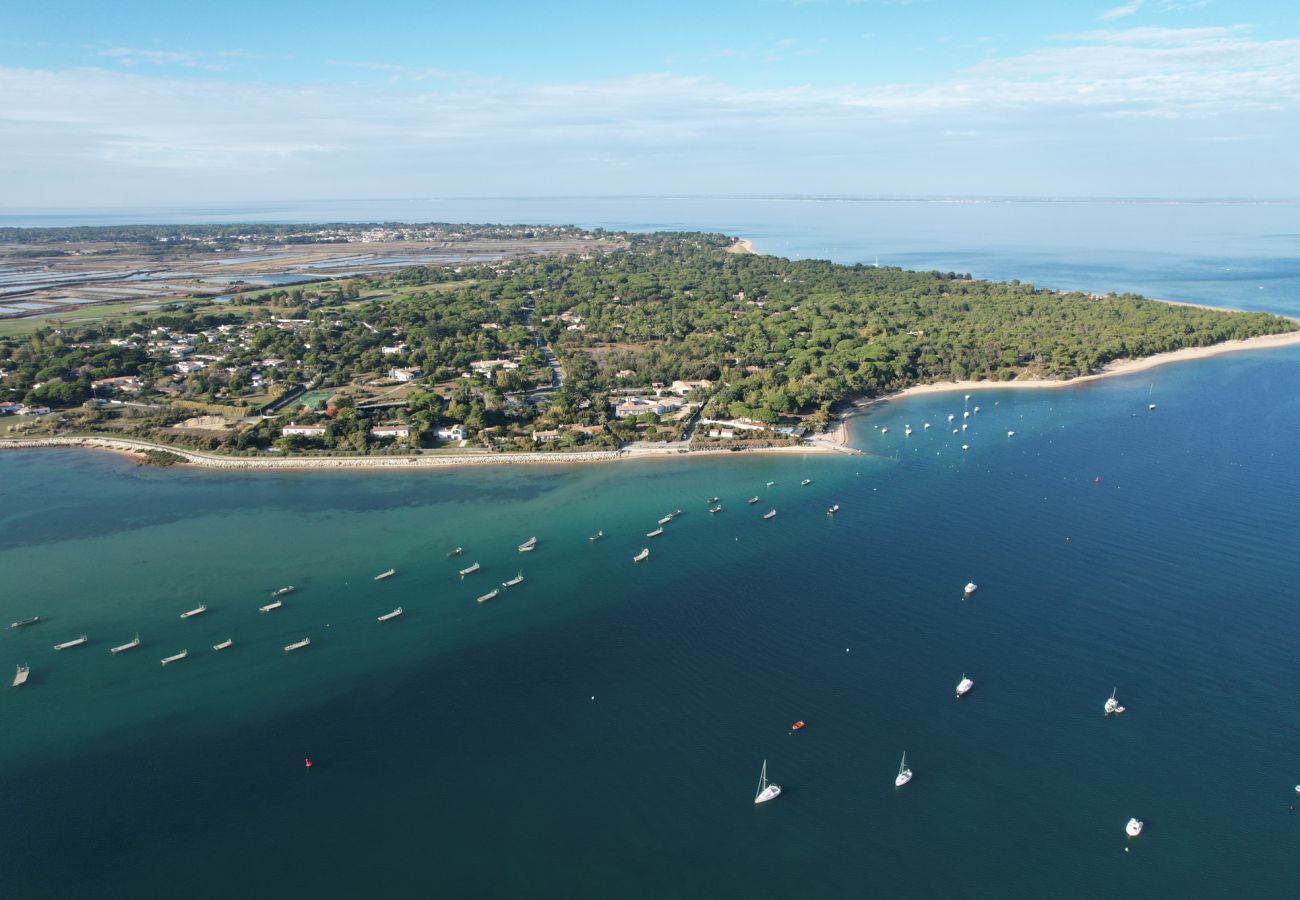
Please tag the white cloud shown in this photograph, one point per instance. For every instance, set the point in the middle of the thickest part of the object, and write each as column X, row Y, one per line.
column 1120, row 12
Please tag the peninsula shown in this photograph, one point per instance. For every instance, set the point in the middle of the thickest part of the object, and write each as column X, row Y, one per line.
column 570, row 345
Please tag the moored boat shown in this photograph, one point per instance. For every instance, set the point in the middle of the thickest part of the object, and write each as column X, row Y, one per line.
column 75, row 642
column 20, row 677
column 455, row 551
column 489, row 595
column 1133, row 828
column 666, row 519
column 518, row 579
column 766, row 789
column 714, row 499
column 382, row 575
column 715, row 509
column 175, row 657
column 806, row 482
column 392, row 615
column 297, row 645
column 224, row 645
column 971, row 587
column 645, row 552
column 470, row 570
column 1112, row 707
column 833, row 510
column 964, row 686
column 904, row 773
column 270, row 606
column 770, row 514
column 23, row 623
column 752, row 500
column 597, row 536
column 655, row 533
column 282, row 591
column 198, row 610
column 528, row 545
column 129, row 645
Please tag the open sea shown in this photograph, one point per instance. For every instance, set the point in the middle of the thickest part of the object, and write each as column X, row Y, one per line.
column 597, row 731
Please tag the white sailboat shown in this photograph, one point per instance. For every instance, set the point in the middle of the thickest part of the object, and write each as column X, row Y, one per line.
column 971, row 587
column 1112, row 706
column 964, row 686
column 766, row 790
column 904, row 773
column 1133, row 828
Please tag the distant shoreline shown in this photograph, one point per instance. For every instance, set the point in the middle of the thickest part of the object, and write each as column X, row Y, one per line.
column 1112, row 370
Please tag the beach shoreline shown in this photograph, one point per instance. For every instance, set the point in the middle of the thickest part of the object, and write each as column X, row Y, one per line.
column 839, row 433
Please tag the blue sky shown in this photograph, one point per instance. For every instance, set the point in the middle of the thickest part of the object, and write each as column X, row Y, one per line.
column 139, row 103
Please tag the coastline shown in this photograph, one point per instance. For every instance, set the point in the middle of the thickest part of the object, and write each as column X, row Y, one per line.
column 1111, row 370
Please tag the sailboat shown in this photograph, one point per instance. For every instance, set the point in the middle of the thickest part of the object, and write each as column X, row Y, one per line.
column 766, row 790
column 1133, row 828
column 904, row 773
column 964, row 686
column 1112, row 706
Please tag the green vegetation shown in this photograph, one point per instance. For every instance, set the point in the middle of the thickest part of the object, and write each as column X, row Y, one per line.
column 765, row 340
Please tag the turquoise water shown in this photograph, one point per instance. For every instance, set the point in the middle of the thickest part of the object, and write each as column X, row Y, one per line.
column 458, row 750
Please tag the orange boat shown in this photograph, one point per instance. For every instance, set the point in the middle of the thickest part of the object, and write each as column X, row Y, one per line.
column 797, row 725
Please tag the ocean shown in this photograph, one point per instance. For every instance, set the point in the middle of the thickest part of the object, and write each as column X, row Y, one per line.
column 597, row 731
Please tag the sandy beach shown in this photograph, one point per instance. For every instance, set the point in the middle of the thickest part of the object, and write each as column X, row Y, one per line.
column 839, row 434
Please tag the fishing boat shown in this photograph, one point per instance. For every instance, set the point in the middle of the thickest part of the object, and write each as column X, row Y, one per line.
column 528, row 545
column 518, row 579
column 20, row 678
column 455, row 551
column 833, row 510
column 1133, row 828
column 640, row 557
column 489, row 595
column 382, row 575
column 806, row 482
column 175, row 657
column 964, row 686
column 715, row 509
column 75, row 642
column 297, row 645
column 270, row 606
column 198, row 610
column 655, row 533
column 770, row 514
column 904, row 773
column 597, row 536
column 129, row 645
column 971, row 587
column 282, row 591
column 752, row 500
column 766, row 790
column 224, row 645
column 1112, row 706
column 470, row 570
column 23, row 623
column 392, row 615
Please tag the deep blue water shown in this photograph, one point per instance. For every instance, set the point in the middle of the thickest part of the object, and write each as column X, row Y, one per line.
column 458, row 750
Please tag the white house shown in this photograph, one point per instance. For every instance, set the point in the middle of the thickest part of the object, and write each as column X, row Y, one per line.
column 391, row 431
column 451, row 433
column 312, row 431
column 682, row 388
column 403, row 375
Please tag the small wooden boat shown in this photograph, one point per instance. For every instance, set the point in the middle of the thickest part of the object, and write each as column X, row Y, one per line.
column 75, row 642
column 490, row 595
column 175, row 657
column 382, row 575
column 270, row 606
column 23, row 623
column 20, row 677
column 392, row 615
column 640, row 557
column 770, row 514
column 655, row 533
column 455, row 551
column 224, row 645
column 282, row 591
column 129, row 645
column 797, row 726
column 297, row 645
column 470, row 570
column 198, row 610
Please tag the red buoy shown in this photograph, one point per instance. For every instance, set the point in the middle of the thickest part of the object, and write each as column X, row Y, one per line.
column 307, row 763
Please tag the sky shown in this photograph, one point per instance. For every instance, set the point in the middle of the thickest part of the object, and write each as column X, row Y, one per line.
column 131, row 103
